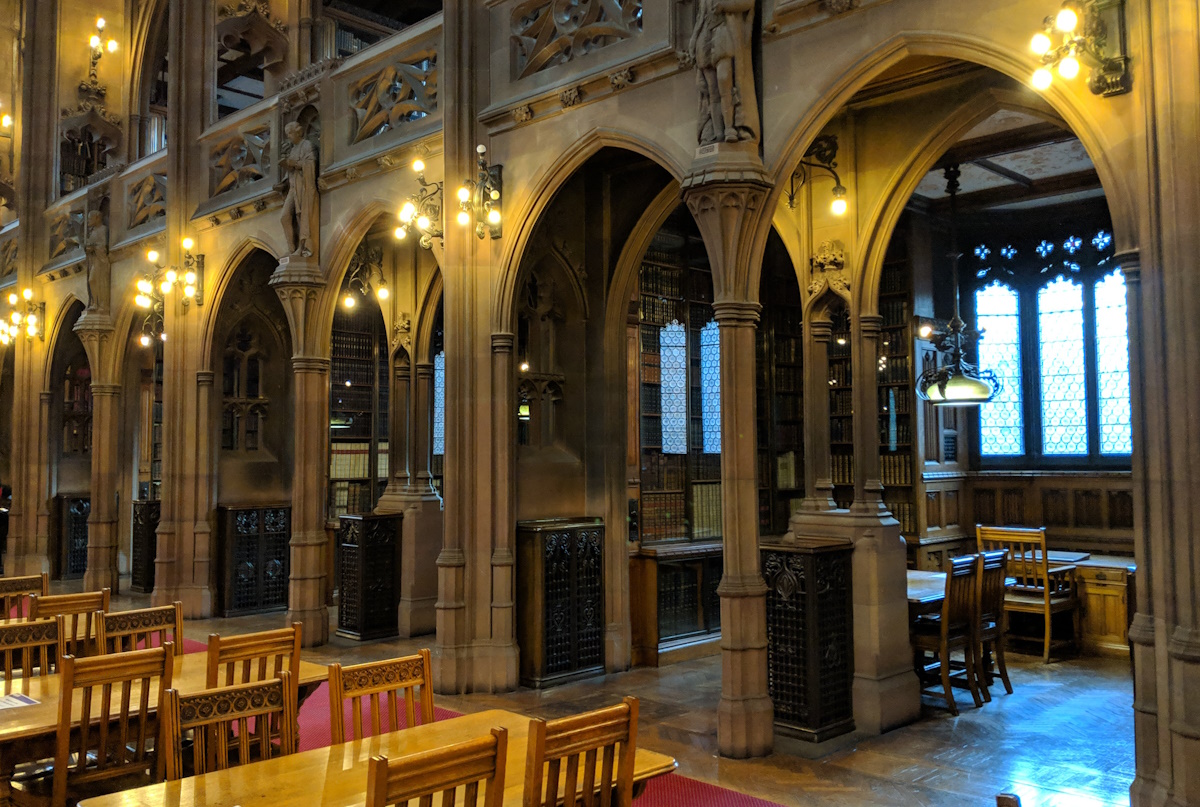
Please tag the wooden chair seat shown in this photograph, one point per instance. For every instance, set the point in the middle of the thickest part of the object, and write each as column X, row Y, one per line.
column 1034, row 603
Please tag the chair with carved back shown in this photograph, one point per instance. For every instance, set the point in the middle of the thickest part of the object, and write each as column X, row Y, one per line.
column 15, row 592
column 954, row 629
column 78, row 636
column 1040, row 589
column 29, row 648
column 121, row 631
column 993, row 568
column 569, row 749
column 474, row 765
column 253, row 657
column 108, row 736
column 243, row 712
column 408, row 679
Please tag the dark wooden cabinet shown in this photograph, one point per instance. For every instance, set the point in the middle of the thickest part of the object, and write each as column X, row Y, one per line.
column 72, row 514
column 369, row 576
column 810, row 639
column 255, row 558
column 145, row 545
column 674, row 602
column 560, row 599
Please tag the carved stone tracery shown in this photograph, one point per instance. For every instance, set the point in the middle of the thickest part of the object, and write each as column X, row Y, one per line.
column 397, row 94
column 829, row 269
column 147, row 199
column 240, row 159
column 546, row 33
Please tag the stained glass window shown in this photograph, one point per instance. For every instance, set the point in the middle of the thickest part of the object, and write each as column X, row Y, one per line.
column 710, row 387
column 439, row 403
column 673, row 357
column 1001, row 421
column 1064, row 391
column 1112, row 364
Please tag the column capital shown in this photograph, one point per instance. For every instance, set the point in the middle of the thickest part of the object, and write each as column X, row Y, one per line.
column 107, row 390
column 205, row 378
column 821, row 331
column 728, row 214
column 1130, row 261
column 871, row 325
column 502, row 342
column 735, row 313
column 46, row 396
column 310, row 364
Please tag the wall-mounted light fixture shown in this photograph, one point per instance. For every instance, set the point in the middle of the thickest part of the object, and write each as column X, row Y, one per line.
column 479, row 198
column 1091, row 31
column 362, row 277
column 99, row 45
column 25, row 317
column 821, row 156
column 422, row 210
column 161, row 281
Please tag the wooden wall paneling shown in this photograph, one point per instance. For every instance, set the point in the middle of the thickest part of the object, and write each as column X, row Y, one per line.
column 1055, row 510
column 1120, row 510
column 933, row 509
column 985, row 505
column 1012, row 507
column 1087, row 509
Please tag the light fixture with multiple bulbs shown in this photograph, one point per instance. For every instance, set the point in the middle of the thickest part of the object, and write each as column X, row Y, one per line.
column 1082, row 31
column 26, row 317
column 422, row 210
column 99, row 45
column 820, row 156
column 160, row 281
column 362, row 277
column 479, row 198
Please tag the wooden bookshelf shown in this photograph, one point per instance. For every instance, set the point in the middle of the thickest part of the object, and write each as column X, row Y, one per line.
column 841, row 411
column 896, row 394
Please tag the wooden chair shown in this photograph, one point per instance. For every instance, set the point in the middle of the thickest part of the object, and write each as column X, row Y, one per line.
column 399, row 677
column 78, row 611
column 29, row 648
column 254, row 657
column 954, row 629
column 16, row 591
column 251, row 714
column 106, row 738
column 442, row 770
column 580, row 740
column 121, row 631
column 1040, row 588
column 993, row 569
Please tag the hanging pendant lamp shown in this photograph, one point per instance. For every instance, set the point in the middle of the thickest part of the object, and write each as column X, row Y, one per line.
column 956, row 382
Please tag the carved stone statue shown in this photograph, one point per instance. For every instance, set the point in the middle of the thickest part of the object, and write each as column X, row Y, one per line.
column 720, row 47
column 301, row 221
column 95, row 247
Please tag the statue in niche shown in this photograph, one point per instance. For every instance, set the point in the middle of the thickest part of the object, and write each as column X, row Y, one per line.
column 720, row 48
column 300, row 216
column 95, row 248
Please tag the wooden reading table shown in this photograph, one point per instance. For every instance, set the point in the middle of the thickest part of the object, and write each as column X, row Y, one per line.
column 336, row 776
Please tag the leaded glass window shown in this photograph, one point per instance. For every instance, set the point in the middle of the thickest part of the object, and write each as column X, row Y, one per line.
column 673, row 353
column 1064, row 387
column 1112, row 364
column 1002, row 426
column 439, row 403
column 710, row 386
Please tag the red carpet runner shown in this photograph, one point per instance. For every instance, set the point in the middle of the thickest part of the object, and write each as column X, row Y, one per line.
column 665, row 791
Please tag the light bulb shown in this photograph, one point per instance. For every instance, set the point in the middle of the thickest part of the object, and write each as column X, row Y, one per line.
column 481, row 149
column 381, row 292
column 926, row 331
column 407, row 212
column 187, row 244
column 172, row 276
column 495, row 194
column 189, row 291
column 841, row 340
column 189, row 278
column 31, row 330
column 16, row 318
column 348, row 301
column 493, row 216
column 166, row 287
column 99, row 23
column 12, row 299
column 3, row 337
column 1042, row 79
column 163, row 336
column 400, row 232
column 1068, row 68
column 839, row 206
column 31, row 319
column 524, row 367
column 94, row 41
column 1040, row 44
column 27, row 294
column 1066, row 20
column 423, row 222
column 112, row 46
column 418, row 165
column 348, row 384
column 145, row 340
column 464, row 195
column 142, row 301
column 6, row 121
column 152, row 255
column 464, row 218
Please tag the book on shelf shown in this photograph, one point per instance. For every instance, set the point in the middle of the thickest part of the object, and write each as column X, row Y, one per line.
column 785, row 470
column 706, row 510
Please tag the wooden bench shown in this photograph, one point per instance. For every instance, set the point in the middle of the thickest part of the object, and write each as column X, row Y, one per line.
column 1040, row 588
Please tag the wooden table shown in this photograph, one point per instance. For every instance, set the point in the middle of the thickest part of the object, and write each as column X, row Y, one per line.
column 27, row 732
column 336, row 776
column 926, row 589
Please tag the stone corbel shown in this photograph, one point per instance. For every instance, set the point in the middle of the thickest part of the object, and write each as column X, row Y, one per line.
column 728, row 214
column 298, row 283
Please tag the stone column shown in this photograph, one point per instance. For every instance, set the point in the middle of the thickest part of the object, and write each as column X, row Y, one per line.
column 298, row 282
column 868, row 488
column 504, row 523
column 422, row 453
column 728, row 213
column 818, row 481
column 95, row 330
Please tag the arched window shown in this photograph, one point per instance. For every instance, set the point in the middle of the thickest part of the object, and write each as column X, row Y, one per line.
column 1002, row 428
column 673, row 358
column 1112, row 364
column 244, row 405
column 1060, row 346
column 710, row 386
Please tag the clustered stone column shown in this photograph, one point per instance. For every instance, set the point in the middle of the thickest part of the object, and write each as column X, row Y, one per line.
column 818, row 480
column 868, row 488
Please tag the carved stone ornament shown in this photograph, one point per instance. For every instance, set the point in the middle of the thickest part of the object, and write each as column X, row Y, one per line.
column 244, row 8
column 66, row 233
column 236, row 213
column 260, row 205
column 720, row 48
column 8, row 257
column 570, row 97
column 546, row 33
column 214, row 221
column 522, row 114
column 240, row 159
column 399, row 93
column 838, row 6
column 402, row 331
column 828, row 268
column 147, row 199
column 300, row 216
column 621, row 79
column 307, row 74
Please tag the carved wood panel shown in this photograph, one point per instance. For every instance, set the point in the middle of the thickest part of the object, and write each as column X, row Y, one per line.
column 1054, row 508
column 933, row 508
column 1012, row 506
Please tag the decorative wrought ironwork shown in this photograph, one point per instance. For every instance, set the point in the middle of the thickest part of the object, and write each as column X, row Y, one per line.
column 146, row 515
column 368, row 547
column 256, row 558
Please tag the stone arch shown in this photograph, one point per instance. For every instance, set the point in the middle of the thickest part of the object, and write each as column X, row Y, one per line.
column 64, row 313
column 147, row 29
column 808, row 123
column 215, row 297
column 529, row 210
column 426, row 313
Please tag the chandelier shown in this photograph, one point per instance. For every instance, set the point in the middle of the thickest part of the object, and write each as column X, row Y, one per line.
column 1083, row 32
column 955, row 382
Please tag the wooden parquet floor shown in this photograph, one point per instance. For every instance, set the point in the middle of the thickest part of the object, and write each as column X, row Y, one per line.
column 1064, row 737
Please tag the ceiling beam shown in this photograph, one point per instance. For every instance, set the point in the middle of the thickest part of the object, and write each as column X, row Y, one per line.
column 1007, row 173
column 1007, row 194
column 1001, row 143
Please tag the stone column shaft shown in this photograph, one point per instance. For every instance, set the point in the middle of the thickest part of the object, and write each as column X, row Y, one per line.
column 309, row 565
column 422, row 416
column 102, row 570
column 818, row 481
column 868, row 488
column 504, row 523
